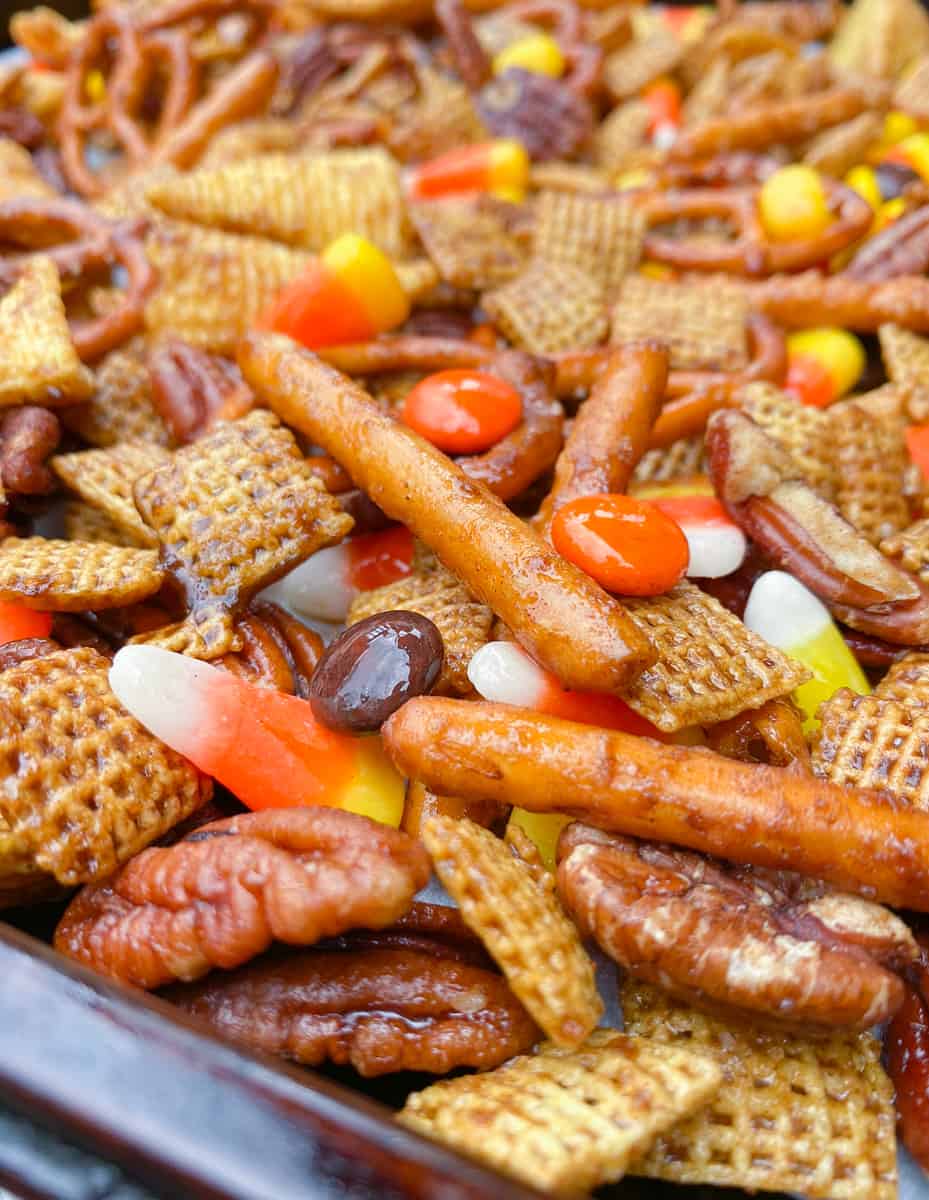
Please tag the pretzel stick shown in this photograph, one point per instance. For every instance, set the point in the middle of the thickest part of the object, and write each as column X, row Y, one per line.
column 808, row 300
column 406, row 352
column 562, row 617
column 243, row 92
column 611, row 430
column 769, row 124
column 750, row 813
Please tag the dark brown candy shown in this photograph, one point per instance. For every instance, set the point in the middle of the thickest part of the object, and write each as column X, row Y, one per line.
column 373, row 668
column 544, row 114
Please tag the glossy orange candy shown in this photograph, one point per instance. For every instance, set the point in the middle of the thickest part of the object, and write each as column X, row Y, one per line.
column 18, row 622
column 376, row 559
column 629, row 546
column 462, row 412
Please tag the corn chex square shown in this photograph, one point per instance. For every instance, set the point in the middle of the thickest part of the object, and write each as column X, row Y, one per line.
column 104, row 478
column 802, row 430
column 548, row 308
column 468, row 242
column 600, row 234
column 121, row 407
column 65, row 576
column 703, row 324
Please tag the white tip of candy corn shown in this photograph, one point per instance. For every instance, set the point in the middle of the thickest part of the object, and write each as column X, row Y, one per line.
column 717, row 548
column 319, row 588
column 504, row 672
column 784, row 612
column 167, row 693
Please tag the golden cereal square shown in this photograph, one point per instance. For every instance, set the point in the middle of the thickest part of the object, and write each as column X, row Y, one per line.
column 85, row 785
column 803, row 431
column 600, row 234
column 567, row 1121
column 467, row 241
column 813, row 1117
column 104, row 478
column 703, row 324
column 121, row 407
column 871, row 461
column 38, row 361
column 710, row 666
column 233, row 512
column 522, row 925
column 65, row 576
column 549, row 307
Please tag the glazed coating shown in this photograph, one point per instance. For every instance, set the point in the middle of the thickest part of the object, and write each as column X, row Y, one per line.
column 226, row 892
column 860, row 841
column 379, row 1010
column 560, row 615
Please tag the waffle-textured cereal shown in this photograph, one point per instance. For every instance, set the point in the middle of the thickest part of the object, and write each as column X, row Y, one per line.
column 468, row 242
column 121, row 408
column 549, row 307
column 104, row 479
column 703, row 324
column 75, row 576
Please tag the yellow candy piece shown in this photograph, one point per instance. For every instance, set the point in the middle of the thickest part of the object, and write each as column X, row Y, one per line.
column 793, row 204
column 370, row 276
column 536, row 52
column 915, row 150
column 655, row 270
column 95, row 86
column 627, row 180
column 508, row 169
column 376, row 791
column 833, row 666
column 863, row 181
column 897, row 126
column 542, row 828
column 889, row 211
column 839, row 351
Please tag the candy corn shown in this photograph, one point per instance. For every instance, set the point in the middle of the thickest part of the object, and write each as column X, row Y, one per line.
column 786, row 614
column 717, row 545
column 499, row 167
column 265, row 746
column 351, row 293
column 823, row 364
column 504, row 672
column 536, row 52
column 917, row 443
column 863, row 180
column 18, row 622
column 323, row 587
column 793, row 204
column 542, row 828
column 663, row 100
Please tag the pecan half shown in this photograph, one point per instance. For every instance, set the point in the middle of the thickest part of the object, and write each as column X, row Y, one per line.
column 380, row 1010
column 192, row 388
column 902, row 248
column 231, row 888
column 28, row 436
column 550, row 119
column 711, row 937
column 278, row 651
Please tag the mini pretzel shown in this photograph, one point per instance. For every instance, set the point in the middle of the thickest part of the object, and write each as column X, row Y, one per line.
column 746, row 812
column 95, row 242
column 571, row 626
column 523, row 455
column 583, row 57
column 136, row 57
column 750, row 252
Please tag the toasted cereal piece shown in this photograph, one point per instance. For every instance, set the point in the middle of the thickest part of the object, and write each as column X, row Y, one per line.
column 910, row 548
column 621, row 134
column 803, row 431
column 567, row 1121
column 37, row 357
column 871, row 460
column 600, row 234
column 631, row 68
column 549, row 308
column 710, row 94
column 303, row 200
column 703, row 324
column 522, row 925
column 85, row 785
column 468, row 242
column 906, row 361
column 873, row 742
column 880, row 37
column 907, row 682
column 75, row 576
column 84, row 523
column 912, row 92
column 681, row 459
column 436, row 593
column 18, row 174
column 710, row 666
column 571, row 177
column 248, row 139
column 794, row 1115
column 104, row 478
column 233, row 512
column 212, row 284
column 835, row 151
column 442, row 117
column 121, row 408
column 418, row 277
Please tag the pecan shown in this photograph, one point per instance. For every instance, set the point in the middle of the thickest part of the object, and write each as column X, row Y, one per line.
column 907, row 1046
column 192, row 388
column 311, row 63
column 278, row 651
column 902, row 248
column 14, row 653
column 223, row 895
column 27, row 437
column 550, row 119
column 22, row 126
column 711, row 937
column 471, row 60
column 440, row 323
column 379, row 1010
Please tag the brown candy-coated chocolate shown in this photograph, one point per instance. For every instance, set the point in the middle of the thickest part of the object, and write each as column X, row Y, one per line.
column 380, row 1010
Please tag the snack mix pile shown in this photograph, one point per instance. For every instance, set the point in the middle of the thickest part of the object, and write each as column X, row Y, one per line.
column 465, row 522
